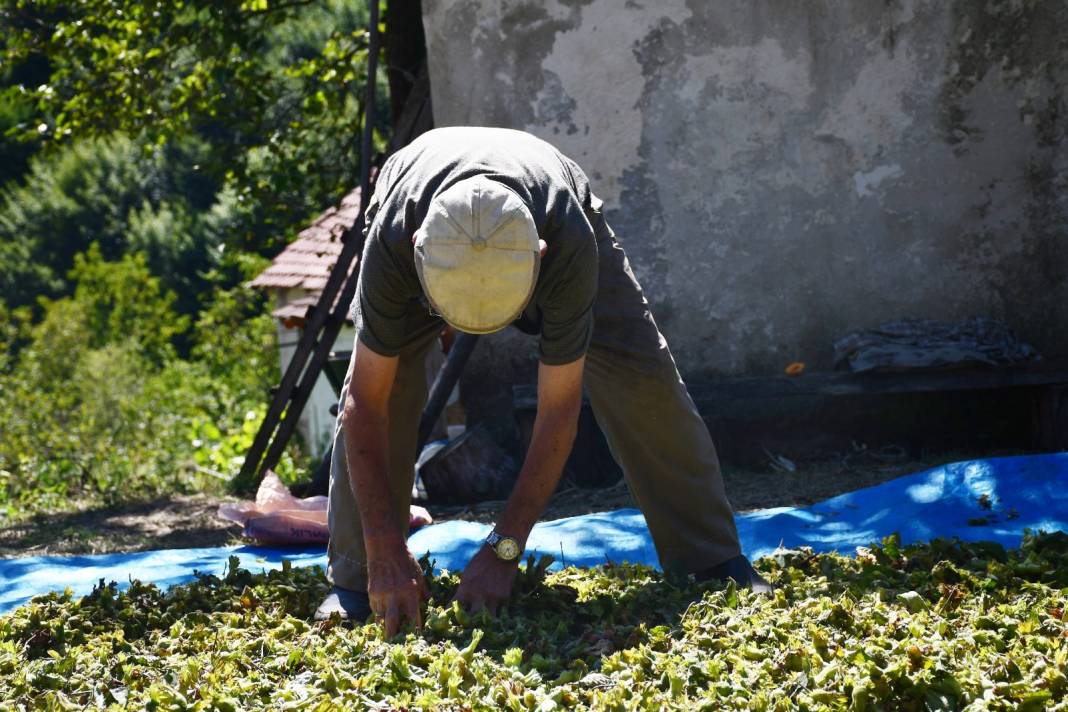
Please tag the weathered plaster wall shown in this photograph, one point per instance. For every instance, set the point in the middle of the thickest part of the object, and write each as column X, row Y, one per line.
column 782, row 172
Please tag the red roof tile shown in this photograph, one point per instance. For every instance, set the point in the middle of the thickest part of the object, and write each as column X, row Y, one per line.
column 307, row 261
column 292, row 314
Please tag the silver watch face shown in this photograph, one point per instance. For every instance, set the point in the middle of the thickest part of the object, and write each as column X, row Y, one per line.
column 507, row 548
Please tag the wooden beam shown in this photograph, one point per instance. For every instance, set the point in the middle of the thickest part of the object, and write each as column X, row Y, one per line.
column 738, row 388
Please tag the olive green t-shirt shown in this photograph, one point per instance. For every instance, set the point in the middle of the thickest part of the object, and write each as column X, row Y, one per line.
column 390, row 310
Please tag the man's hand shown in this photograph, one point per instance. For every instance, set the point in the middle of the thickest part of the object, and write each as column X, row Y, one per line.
column 395, row 584
column 396, row 588
column 486, row 582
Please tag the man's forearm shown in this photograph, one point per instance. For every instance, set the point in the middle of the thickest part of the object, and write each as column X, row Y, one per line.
column 550, row 444
column 366, row 448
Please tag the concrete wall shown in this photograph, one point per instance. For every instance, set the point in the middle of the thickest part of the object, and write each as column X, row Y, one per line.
column 782, row 172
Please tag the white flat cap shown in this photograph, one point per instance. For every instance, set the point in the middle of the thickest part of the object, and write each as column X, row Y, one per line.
column 477, row 255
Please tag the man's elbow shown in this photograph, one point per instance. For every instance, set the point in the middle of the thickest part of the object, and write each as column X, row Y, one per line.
column 360, row 414
column 574, row 410
column 353, row 414
column 571, row 433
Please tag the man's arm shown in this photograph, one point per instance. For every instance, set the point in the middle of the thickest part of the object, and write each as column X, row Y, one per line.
column 555, row 425
column 487, row 581
column 395, row 582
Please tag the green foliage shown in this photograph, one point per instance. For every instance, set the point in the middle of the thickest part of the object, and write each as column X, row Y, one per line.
column 14, row 333
column 97, row 407
column 76, row 425
column 273, row 87
column 939, row 626
column 123, row 301
column 223, row 452
column 235, row 344
column 104, row 191
column 16, row 148
column 235, row 338
column 156, row 152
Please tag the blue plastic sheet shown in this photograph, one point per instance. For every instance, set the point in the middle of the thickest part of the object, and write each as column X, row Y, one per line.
column 949, row 501
column 21, row 579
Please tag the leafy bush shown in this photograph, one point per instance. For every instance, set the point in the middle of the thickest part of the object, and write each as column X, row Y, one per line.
column 154, row 153
column 14, row 333
column 123, row 301
column 98, row 408
column 176, row 247
column 940, row 626
column 82, row 195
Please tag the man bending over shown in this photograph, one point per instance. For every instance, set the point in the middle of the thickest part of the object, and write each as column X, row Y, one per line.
column 483, row 228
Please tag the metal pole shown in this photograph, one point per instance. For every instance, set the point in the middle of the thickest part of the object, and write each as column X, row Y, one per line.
column 369, row 108
column 443, row 385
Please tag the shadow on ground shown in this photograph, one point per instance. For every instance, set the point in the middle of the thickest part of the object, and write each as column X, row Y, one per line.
column 166, row 523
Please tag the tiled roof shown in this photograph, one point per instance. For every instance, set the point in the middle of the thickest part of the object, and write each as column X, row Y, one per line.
column 292, row 313
column 307, row 261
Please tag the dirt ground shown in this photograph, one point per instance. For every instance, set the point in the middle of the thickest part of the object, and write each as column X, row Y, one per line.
column 174, row 523
column 190, row 521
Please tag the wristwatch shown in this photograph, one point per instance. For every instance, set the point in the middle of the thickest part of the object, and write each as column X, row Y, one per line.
column 505, row 547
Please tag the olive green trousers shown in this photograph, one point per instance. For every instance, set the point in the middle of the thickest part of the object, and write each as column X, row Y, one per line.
column 640, row 402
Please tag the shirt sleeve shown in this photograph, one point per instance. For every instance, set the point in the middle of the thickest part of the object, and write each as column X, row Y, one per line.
column 386, row 309
column 567, row 308
column 380, row 306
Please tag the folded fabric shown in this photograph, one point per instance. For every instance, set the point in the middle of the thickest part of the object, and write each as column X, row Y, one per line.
column 923, row 344
column 278, row 518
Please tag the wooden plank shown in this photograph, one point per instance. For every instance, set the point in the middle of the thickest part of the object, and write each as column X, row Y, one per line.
column 1051, row 419
column 851, row 384
column 858, row 384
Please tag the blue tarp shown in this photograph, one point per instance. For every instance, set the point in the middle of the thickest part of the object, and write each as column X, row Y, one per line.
column 1000, row 496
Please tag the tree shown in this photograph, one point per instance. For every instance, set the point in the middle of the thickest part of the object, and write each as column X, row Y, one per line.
column 273, row 86
column 113, row 193
column 123, row 302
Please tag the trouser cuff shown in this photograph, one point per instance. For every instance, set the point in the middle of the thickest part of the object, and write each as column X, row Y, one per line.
column 345, row 571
